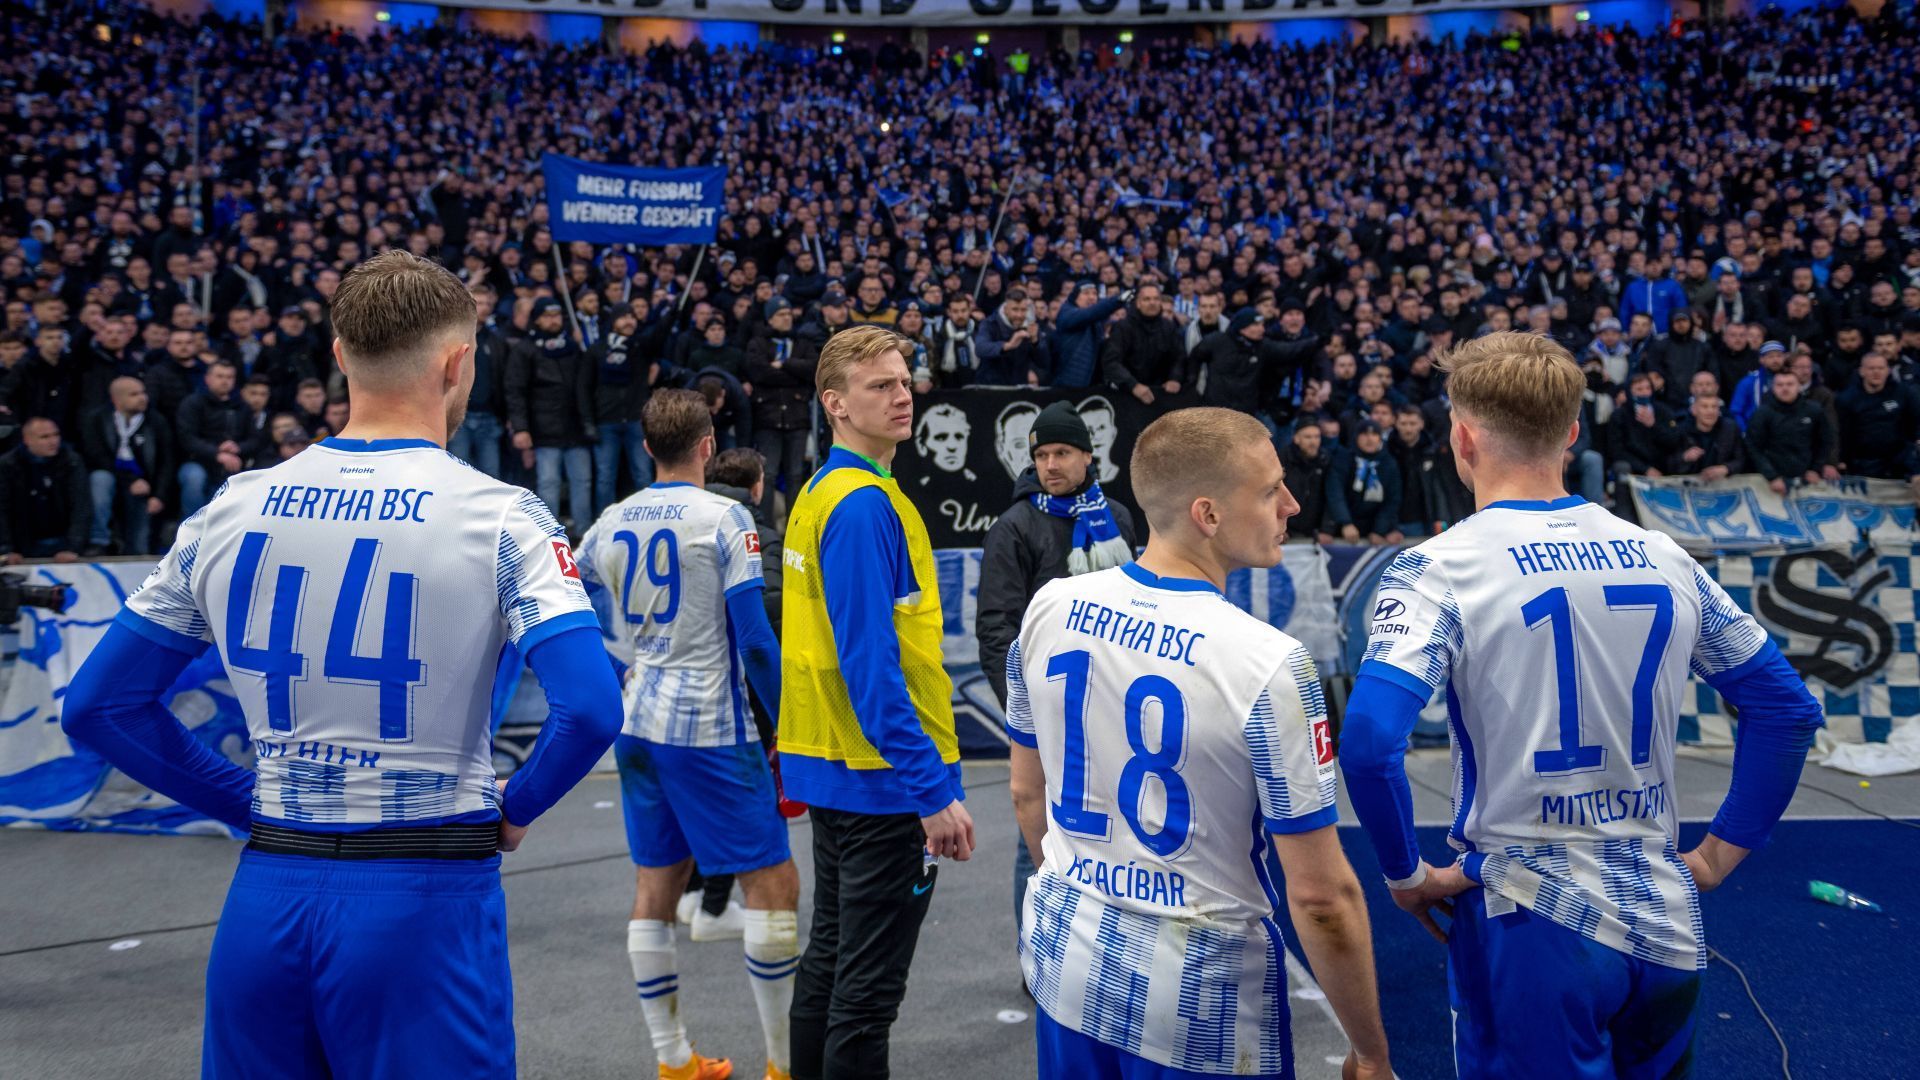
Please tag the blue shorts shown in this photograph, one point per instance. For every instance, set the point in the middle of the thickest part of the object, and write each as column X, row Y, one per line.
column 713, row 803
column 1532, row 999
column 1066, row 1054
column 366, row 969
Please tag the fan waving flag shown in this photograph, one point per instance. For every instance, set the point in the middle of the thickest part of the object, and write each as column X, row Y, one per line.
column 619, row 204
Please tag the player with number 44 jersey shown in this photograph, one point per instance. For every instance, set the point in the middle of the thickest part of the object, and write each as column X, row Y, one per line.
column 1560, row 638
column 1163, row 741
column 360, row 596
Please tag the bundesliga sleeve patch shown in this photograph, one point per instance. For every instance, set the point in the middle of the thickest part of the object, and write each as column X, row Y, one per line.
column 1322, row 742
column 564, row 555
column 753, row 543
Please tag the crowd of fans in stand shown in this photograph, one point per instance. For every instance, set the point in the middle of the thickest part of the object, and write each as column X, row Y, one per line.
column 1718, row 222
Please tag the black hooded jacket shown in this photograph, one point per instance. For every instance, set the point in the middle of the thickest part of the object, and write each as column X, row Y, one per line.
column 1024, row 550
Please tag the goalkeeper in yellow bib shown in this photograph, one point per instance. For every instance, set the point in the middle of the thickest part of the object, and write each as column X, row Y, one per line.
column 866, row 714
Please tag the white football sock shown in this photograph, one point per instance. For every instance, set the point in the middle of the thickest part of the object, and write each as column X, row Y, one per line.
column 655, row 978
column 773, row 955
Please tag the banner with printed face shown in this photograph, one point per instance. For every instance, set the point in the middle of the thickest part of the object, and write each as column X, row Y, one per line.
column 969, row 446
column 1744, row 513
column 618, row 204
column 992, row 13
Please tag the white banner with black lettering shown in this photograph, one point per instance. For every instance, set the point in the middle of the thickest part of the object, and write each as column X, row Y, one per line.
column 985, row 14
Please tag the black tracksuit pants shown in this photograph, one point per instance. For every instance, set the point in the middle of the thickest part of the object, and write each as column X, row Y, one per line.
column 871, row 891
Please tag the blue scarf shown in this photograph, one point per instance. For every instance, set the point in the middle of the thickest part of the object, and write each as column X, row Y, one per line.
column 1097, row 543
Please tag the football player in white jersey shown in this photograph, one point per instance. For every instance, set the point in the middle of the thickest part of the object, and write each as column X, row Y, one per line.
column 1561, row 638
column 1161, row 736
column 682, row 565
column 346, row 589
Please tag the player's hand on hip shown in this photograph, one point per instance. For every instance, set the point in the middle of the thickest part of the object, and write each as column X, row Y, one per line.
column 1706, row 875
column 1443, row 883
column 950, row 833
column 510, row 834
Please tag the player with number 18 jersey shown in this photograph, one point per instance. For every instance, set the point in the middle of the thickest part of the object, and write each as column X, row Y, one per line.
column 1177, row 733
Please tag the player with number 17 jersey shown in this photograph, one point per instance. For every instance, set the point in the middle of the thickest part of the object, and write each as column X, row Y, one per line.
column 1176, row 733
column 1556, row 627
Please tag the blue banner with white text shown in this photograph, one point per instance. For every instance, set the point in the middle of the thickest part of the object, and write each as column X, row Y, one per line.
column 621, row 204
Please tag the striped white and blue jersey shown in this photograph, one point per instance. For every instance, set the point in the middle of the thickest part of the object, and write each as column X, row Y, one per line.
column 1561, row 637
column 1177, row 733
column 670, row 556
column 361, row 594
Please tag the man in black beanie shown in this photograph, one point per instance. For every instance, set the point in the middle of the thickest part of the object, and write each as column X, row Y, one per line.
column 1059, row 525
column 1240, row 365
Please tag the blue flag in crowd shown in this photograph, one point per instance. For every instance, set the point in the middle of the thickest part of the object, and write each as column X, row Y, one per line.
column 619, row 204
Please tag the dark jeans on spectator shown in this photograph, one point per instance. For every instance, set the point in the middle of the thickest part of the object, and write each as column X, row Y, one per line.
column 111, row 500
column 1587, row 476
column 616, row 440
column 786, row 456
column 48, row 546
column 477, row 442
column 549, row 462
column 193, row 488
column 870, row 893
column 1905, row 466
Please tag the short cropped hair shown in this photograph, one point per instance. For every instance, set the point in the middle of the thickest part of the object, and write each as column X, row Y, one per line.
column 395, row 304
column 1186, row 454
column 1523, row 387
column 740, row 467
column 674, row 422
column 849, row 349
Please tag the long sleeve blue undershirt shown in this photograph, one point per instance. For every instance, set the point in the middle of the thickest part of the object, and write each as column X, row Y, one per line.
column 583, row 717
column 113, row 706
column 753, row 636
column 1777, row 720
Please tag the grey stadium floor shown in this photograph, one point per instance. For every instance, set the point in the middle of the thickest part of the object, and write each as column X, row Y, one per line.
column 73, row 1005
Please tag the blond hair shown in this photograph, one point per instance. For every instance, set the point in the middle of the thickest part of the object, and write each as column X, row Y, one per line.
column 849, row 349
column 1524, row 388
column 394, row 305
column 1187, row 454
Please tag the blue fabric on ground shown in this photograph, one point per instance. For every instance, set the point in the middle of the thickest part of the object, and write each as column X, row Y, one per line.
column 1837, row 982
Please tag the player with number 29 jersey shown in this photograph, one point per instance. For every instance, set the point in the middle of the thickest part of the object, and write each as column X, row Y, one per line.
column 1176, row 733
column 671, row 556
column 360, row 595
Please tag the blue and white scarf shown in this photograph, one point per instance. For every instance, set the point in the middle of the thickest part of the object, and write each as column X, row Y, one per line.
column 1097, row 543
